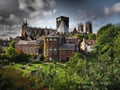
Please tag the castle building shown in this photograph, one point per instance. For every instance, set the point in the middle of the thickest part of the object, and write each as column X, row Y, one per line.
column 62, row 24
column 53, row 43
column 80, row 28
column 88, row 27
column 32, row 33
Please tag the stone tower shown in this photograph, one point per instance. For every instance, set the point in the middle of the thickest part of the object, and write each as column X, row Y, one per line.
column 24, row 29
column 80, row 28
column 88, row 27
column 64, row 19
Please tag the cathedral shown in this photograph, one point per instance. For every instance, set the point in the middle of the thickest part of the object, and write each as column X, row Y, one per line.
column 32, row 33
column 62, row 28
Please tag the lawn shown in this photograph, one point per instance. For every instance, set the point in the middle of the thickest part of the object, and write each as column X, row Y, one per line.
column 26, row 68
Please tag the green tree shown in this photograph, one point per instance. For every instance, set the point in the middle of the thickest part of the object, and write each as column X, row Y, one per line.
column 1, row 49
column 92, row 36
column 12, row 43
column 117, row 46
column 105, row 40
column 10, row 53
column 12, row 79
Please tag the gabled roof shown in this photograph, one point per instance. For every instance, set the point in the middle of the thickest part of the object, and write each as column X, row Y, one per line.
column 67, row 47
column 41, row 38
column 90, row 42
column 62, row 28
column 23, row 42
column 53, row 35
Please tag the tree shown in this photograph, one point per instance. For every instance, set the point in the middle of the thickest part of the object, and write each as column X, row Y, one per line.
column 81, row 36
column 10, row 53
column 12, row 43
column 105, row 40
column 1, row 49
column 117, row 46
column 92, row 36
column 12, row 79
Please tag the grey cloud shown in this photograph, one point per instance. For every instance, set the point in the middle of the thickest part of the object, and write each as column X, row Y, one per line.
column 112, row 10
column 13, row 12
column 89, row 15
column 1, row 18
column 13, row 19
column 7, row 31
column 37, row 7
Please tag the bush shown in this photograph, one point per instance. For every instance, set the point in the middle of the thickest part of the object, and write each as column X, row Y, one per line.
column 36, row 62
column 4, row 62
column 22, row 58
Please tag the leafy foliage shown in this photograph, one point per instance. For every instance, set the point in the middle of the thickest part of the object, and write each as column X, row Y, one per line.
column 11, row 79
column 106, row 38
column 10, row 53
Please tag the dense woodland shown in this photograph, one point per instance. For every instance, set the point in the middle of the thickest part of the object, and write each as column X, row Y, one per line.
column 98, row 70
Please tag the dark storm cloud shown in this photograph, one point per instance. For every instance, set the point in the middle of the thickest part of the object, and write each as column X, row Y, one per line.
column 13, row 12
column 37, row 7
column 90, row 9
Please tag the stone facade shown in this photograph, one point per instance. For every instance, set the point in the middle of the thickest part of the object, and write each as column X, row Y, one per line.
column 33, row 33
column 60, row 19
column 51, row 46
column 80, row 28
column 28, row 47
column 66, row 51
column 88, row 27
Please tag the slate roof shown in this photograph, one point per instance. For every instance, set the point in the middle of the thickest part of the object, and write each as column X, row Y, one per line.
column 90, row 42
column 53, row 35
column 67, row 47
column 23, row 42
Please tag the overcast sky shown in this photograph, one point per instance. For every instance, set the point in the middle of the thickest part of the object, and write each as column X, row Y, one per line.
column 41, row 13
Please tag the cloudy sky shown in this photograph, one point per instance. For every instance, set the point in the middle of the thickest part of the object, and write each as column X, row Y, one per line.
column 41, row 13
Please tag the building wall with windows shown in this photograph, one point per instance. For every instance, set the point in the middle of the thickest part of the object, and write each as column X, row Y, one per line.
column 28, row 47
column 51, row 45
column 66, row 51
column 87, row 45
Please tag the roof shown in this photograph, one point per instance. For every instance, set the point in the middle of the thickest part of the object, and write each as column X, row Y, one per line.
column 39, row 28
column 90, row 42
column 62, row 17
column 41, row 38
column 53, row 35
column 67, row 47
column 23, row 42
column 62, row 28
column 72, row 37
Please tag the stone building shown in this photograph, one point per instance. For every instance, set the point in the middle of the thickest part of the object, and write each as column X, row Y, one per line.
column 51, row 46
column 62, row 25
column 88, row 27
column 66, row 51
column 87, row 45
column 28, row 47
column 64, row 19
column 80, row 28
column 56, row 48
column 32, row 33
